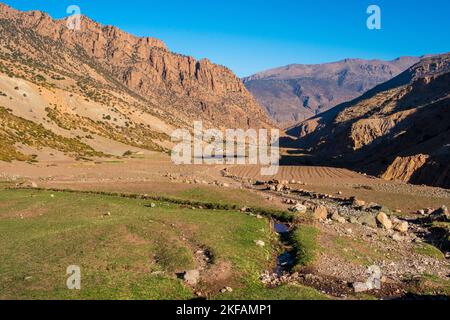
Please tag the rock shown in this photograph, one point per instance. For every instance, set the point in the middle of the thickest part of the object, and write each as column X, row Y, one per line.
column 293, row 182
column 225, row 185
column 358, row 203
column 28, row 184
column 401, row 226
column 368, row 219
column 192, row 277
column 336, row 217
column 397, row 237
column 384, row 221
column 441, row 214
column 260, row 243
column 279, row 187
column 245, row 209
column 421, row 212
column 299, row 208
column 360, row 287
column 353, row 220
column 152, row 205
column 320, row 213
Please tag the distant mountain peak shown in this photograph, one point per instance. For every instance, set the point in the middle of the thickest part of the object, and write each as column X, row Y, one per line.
column 298, row 91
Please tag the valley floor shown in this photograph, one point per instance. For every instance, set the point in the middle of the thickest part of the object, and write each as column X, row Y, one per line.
column 134, row 226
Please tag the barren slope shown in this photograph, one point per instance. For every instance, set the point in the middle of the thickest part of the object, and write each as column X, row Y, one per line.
column 297, row 92
column 107, row 89
column 399, row 130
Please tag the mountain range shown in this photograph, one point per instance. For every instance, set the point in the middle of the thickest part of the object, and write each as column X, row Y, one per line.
column 398, row 130
column 99, row 89
column 297, row 92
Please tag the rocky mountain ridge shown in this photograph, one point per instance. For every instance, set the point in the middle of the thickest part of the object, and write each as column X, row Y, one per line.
column 398, row 130
column 121, row 87
column 296, row 92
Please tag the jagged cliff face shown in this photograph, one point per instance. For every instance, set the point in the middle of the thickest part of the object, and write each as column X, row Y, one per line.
column 99, row 90
column 399, row 130
column 186, row 88
column 297, row 92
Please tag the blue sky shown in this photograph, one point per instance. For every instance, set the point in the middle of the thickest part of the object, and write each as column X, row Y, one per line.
column 253, row 35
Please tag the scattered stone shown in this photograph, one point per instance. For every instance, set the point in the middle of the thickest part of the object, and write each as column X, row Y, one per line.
column 358, row 203
column 401, row 226
column 260, row 243
column 225, row 185
column 353, row 220
column 368, row 219
column 299, row 208
column 397, row 237
column 245, row 209
column 152, row 205
column 28, row 184
column 360, row 287
column 192, row 277
column 320, row 213
column 336, row 217
column 384, row 220
column 108, row 214
column 441, row 214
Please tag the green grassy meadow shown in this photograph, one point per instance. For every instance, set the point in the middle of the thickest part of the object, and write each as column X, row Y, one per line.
column 128, row 250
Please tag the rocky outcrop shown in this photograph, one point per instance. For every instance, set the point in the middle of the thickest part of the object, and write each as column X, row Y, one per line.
column 144, row 67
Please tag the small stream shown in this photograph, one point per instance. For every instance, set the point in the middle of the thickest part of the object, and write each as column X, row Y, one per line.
column 286, row 260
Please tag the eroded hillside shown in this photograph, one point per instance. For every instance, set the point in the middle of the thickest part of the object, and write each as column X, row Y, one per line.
column 399, row 130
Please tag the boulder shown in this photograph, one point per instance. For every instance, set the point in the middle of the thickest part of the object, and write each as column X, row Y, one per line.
column 360, row 287
column 299, row 208
column 401, row 226
column 397, row 237
column 192, row 277
column 320, row 213
column 384, row 221
column 358, row 203
column 368, row 219
column 336, row 217
column 28, row 184
column 441, row 214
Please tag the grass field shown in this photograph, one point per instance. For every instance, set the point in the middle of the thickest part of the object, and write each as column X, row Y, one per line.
column 128, row 250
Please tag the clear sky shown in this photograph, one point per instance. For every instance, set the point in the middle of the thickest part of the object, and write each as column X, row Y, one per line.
column 249, row 36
